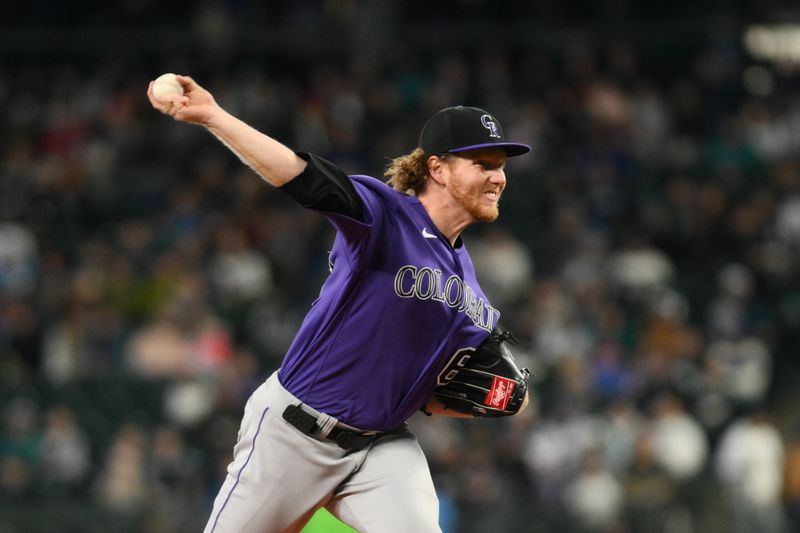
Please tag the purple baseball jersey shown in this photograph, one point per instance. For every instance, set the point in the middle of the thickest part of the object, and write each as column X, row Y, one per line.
column 399, row 304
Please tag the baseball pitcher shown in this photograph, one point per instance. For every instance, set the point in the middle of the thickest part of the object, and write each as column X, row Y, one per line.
column 400, row 325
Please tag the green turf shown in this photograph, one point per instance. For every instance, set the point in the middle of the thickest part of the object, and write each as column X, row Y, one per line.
column 324, row 522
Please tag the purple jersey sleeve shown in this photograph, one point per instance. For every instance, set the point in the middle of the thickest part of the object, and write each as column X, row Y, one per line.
column 357, row 238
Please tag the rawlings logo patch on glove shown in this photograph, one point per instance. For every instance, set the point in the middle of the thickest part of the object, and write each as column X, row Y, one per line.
column 484, row 381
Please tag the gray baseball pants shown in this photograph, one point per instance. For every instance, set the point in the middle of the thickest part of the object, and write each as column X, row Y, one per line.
column 280, row 476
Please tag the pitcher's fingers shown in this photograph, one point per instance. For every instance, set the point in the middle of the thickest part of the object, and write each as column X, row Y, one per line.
column 188, row 83
column 173, row 100
column 177, row 106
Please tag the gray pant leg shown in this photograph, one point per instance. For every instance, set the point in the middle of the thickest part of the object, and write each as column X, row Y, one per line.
column 391, row 492
column 278, row 476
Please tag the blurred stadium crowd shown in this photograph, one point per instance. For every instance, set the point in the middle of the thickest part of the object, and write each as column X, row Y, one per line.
column 647, row 256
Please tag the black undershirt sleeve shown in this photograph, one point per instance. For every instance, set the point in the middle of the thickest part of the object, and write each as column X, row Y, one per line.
column 323, row 186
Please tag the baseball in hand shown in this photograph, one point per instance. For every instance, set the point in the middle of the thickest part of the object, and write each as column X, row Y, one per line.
column 166, row 84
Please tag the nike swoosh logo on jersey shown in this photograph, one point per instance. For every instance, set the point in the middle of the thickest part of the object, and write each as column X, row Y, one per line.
column 428, row 235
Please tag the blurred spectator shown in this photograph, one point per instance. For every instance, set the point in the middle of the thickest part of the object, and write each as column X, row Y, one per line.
column 20, row 333
column 173, row 478
column 83, row 343
column 611, row 377
column 558, row 333
column 639, row 268
column 19, row 260
column 680, row 447
column 679, row 444
column 621, row 429
column 505, row 267
column 728, row 312
column 210, row 346
column 740, row 369
column 750, row 464
column 160, row 349
column 787, row 221
column 20, row 446
column 649, row 492
column 188, row 402
column 482, row 495
column 66, row 452
column 238, row 273
column 122, row 484
column 586, row 269
column 595, row 498
column 555, row 450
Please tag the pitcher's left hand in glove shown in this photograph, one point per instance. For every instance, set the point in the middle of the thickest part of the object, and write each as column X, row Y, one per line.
column 484, row 382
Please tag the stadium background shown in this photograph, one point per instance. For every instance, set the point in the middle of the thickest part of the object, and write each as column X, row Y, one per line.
column 647, row 253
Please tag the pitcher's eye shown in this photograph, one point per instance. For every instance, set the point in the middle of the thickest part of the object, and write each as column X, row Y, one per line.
column 486, row 165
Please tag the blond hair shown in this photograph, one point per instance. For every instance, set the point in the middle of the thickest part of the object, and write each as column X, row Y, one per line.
column 409, row 173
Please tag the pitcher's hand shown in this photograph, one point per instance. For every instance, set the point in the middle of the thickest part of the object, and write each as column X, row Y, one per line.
column 195, row 106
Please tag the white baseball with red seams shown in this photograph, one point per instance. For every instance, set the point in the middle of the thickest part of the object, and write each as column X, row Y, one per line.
column 167, row 84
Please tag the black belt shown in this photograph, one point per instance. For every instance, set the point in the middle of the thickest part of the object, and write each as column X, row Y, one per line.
column 349, row 440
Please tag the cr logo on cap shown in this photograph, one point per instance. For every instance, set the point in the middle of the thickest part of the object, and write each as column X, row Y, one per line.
column 489, row 123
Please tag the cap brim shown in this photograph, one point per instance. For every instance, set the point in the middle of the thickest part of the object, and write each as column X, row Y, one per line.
column 512, row 149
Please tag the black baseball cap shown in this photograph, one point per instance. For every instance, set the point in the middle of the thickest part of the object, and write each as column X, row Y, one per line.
column 460, row 128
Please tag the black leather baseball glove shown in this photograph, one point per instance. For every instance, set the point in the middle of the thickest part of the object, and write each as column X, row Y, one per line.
column 484, row 381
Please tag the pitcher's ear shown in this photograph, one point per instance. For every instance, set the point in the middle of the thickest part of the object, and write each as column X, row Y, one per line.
column 436, row 168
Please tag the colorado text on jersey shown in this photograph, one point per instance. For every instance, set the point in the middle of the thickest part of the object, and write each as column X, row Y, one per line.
column 426, row 284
